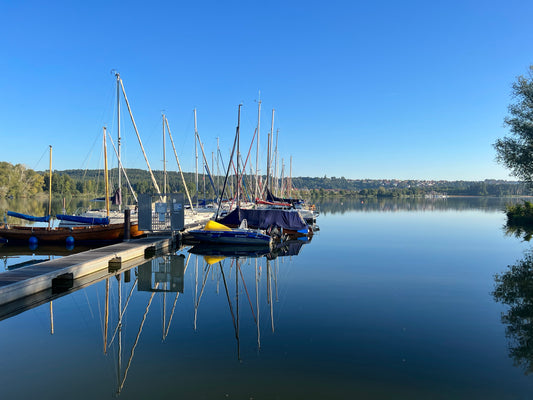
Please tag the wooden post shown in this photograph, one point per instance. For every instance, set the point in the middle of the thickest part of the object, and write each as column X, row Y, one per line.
column 127, row 224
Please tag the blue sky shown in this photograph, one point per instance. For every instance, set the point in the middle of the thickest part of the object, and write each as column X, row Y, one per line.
column 384, row 89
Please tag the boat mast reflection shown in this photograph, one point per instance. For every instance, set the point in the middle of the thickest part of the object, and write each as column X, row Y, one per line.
column 161, row 275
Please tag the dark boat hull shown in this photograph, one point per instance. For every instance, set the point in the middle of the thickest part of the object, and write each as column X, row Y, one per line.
column 92, row 233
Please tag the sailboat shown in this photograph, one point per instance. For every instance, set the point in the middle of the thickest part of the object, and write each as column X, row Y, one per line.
column 215, row 232
column 69, row 235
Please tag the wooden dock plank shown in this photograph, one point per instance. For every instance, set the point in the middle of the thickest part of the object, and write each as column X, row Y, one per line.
column 32, row 279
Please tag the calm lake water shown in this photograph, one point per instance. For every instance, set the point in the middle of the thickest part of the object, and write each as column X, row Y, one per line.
column 390, row 300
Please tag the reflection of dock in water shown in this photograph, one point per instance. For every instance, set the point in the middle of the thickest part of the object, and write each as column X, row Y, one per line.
column 62, row 272
column 164, row 276
column 160, row 275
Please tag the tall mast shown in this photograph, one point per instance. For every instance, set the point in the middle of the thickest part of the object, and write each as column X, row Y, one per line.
column 276, row 162
column 196, row 154
column 238, row 156
column 106, row 177
column 50, row 186
column 290, row 179
column 218, row 169
column 164, row 160
column 281, row 190
column 118, row 138
column 270, row 135
column 256, row 194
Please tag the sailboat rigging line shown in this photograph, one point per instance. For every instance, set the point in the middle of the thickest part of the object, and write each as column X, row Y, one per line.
column 227, row 295
column 211, row 180
column 179, row 165
column 226, row 178
column 38, row 161
column 136, row 340
column 206, row 164
column 249, row 151
column 247, row 294
column 246, row 182
column 88, row 302
column 175, row 302
column 203, row 287
column 171, row 315
column 140, row 141
column 221, row 159
column 240, row 181
column 123, row 311
column 122, row 168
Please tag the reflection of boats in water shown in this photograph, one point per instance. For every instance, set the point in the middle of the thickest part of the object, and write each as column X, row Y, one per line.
column 229, row 250
column 278, row 249
column 128, row 324
column 10, row 254
column 217, row 258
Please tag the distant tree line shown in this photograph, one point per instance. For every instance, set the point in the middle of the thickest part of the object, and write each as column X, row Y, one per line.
column 19, row 181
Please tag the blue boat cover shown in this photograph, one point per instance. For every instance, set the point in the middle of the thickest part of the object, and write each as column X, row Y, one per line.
column 272, row 198
column 265, row 218
column 83, row 220
column 28, row 217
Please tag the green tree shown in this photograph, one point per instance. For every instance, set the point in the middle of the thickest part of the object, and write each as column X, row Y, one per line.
column 516, row 151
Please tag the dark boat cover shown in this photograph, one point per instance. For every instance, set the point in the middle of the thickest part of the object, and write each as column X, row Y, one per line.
column 271, row 197
column 83, row 220
column 116, row 199
column 264, row 219
column 29, row 217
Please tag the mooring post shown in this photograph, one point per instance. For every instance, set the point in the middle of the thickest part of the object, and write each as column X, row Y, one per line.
column 127, row 224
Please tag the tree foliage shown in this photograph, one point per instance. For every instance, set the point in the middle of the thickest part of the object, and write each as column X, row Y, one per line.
column 516, row 151
column 18, row 181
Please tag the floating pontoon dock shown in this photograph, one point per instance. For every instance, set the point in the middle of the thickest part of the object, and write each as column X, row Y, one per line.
column 61, row 272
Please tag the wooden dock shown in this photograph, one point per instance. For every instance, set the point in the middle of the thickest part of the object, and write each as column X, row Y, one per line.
column 61, row 272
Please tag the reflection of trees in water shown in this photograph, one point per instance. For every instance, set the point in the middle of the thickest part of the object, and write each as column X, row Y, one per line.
column 343, row 205
column 515, row 289
column 39, row 206
column 519, row 231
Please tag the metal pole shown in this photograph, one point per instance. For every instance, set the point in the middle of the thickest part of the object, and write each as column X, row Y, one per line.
column 256, row 194
column 118, row 139
column 276, row 162
column 270, row 138
column 238, row 156
column 290, row 179
column 164, row 160
column 196, row 154
column 50, row 186
column 106, row 177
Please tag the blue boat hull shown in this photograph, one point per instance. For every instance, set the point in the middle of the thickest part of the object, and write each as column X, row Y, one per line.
column 231, row 237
